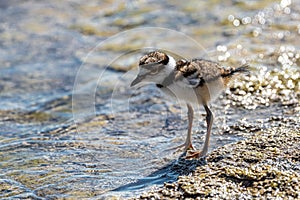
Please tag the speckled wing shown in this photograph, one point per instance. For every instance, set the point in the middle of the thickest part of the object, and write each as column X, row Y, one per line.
column 197, row 72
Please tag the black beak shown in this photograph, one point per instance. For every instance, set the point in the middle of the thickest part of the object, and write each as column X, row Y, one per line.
column 139, row 77
column 137, row 80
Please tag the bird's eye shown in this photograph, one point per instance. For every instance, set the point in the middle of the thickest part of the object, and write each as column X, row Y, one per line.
column 153, row 72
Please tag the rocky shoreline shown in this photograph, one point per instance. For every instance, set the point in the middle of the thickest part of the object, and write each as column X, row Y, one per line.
column 265, row 165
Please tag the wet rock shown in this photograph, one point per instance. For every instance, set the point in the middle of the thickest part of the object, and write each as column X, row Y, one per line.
column 263, row 88
column 266, row 165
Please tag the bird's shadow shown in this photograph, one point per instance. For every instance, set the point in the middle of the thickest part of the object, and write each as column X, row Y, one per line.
column 168, row 173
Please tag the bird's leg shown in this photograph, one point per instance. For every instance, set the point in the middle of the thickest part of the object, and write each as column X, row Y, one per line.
column 209, row 121
column 188, row 142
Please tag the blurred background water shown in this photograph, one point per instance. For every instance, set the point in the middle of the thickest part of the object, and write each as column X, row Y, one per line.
column 51, row 52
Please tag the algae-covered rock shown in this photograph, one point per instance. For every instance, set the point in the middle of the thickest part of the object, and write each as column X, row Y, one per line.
column 266, row 165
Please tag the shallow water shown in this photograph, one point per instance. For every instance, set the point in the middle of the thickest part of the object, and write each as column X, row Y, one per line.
column 72, row 128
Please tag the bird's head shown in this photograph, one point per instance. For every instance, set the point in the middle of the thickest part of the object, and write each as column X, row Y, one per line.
column 154, row 67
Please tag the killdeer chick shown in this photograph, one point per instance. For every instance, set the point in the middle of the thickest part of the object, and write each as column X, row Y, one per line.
column 195, row 82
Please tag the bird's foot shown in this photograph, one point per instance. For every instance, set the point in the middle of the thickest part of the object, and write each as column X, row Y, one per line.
column 195, row 154
column 186, row 146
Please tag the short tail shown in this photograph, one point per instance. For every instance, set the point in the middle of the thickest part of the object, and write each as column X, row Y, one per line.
column 244, row 69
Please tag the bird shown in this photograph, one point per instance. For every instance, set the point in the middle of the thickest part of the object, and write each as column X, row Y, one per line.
column 195, row 82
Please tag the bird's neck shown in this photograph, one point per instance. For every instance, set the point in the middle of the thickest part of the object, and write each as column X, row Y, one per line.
column 169, row 73
column 170, row 68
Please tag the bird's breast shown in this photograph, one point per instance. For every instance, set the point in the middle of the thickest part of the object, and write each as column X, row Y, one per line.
column 195, row 95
